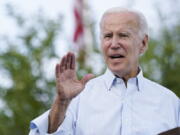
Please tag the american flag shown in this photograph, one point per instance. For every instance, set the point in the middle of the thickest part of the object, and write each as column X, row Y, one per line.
column 79, row 26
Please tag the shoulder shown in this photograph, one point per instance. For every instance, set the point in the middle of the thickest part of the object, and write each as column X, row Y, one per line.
column 92, row 90
column 159, row 89
column 94, row 86
column 95, row 82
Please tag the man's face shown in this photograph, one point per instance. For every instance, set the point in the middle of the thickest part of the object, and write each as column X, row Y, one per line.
column 121, row 43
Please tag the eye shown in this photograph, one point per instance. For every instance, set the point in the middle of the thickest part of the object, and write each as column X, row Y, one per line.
column 123, row 35
column 108, row 35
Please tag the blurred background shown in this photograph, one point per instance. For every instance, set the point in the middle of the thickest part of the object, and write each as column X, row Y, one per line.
column 35, row 34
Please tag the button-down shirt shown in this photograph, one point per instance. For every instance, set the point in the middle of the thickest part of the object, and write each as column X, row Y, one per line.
column 108, row 107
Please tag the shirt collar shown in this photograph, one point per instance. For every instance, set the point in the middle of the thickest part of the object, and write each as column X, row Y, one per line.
column 110, row 79
column 140, row 79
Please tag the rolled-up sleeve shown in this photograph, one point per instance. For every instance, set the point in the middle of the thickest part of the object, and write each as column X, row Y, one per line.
column 39, row 126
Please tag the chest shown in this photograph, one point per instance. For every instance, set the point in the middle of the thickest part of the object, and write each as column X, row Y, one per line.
column 109, row 113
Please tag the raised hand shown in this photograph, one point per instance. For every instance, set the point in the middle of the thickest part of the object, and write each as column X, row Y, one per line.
column 68, row 86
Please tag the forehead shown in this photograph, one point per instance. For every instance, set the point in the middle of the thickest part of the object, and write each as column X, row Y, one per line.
column 120, row 20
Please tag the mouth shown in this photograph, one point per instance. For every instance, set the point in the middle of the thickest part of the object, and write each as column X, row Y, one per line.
column 116, row 56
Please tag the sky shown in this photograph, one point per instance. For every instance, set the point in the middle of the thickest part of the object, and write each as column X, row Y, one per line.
column 55, row 7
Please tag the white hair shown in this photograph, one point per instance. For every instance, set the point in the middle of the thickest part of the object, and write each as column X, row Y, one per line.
column 143, row 26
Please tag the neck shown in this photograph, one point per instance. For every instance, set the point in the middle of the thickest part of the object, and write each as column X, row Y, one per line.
column 131, row 74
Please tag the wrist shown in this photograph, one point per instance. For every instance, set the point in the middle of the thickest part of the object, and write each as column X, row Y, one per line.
column 62, row 101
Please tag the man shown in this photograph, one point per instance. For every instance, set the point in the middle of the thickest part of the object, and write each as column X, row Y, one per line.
column 120, row 102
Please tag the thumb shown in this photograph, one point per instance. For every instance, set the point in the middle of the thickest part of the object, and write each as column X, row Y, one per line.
column 86, row 78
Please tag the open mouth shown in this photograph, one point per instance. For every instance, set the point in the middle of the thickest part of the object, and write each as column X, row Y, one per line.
column 116, row 56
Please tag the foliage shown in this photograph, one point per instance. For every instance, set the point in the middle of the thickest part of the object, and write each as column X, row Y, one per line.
column 23, row 61
column 161, row 62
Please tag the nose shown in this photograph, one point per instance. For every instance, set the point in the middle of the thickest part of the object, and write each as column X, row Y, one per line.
column 115, row 43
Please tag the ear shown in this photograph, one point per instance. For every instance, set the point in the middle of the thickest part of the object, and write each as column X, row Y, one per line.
column 144, row 44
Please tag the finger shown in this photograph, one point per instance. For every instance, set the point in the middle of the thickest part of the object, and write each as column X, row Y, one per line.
column 63, row 64
column 60, row 69
column 73, row 61
column 57, row 70
column 86, row 78
column 68, row 64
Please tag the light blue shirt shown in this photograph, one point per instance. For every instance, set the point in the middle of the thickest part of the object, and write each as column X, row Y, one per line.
column 107, row 107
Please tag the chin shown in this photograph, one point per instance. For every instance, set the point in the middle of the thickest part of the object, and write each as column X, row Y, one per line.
column 118, row 70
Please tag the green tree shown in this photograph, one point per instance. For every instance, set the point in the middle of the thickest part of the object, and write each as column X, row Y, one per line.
column 23, row 60
column 161, row 62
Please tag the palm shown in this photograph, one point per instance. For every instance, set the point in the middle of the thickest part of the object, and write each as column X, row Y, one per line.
column 68, row 86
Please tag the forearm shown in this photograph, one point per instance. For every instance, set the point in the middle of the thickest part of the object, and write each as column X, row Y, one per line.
column 57, row 114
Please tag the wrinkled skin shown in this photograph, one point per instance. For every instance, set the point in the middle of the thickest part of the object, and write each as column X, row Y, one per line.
column 121, row 43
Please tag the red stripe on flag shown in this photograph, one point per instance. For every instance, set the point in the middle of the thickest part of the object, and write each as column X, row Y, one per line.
column 79, row 28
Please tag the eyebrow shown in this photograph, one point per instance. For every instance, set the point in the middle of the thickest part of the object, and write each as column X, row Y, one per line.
column 119, row 32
